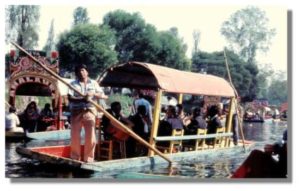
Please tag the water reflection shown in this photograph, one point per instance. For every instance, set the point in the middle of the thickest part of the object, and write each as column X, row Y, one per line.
column 206, row 167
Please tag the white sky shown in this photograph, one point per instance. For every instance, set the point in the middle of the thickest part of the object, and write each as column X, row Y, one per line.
column 186, row 17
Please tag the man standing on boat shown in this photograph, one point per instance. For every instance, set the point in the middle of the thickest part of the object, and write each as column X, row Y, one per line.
column 83, row 114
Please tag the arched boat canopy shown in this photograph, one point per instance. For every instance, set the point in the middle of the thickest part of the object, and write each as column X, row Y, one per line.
column 151, row 76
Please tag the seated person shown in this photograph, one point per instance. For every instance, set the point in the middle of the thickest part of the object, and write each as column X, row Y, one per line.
column 213, row 123
column 30, row 117
column 173, row 118
column 197, row 121
column 184, row 118
column 12, row 121
column 141, row 128
column 46, row 118
column 111, row 132
column 172, row 121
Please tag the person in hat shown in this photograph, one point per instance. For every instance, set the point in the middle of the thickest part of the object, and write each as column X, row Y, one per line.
column 83, row 113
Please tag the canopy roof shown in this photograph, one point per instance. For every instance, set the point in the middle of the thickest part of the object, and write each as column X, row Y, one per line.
column 150, row 76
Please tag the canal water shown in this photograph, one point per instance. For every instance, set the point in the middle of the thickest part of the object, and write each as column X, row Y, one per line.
column 219, row 167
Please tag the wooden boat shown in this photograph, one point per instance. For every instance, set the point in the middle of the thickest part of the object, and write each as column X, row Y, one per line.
column 28, row 79
column 14, row 136
column 161, row 79
column 51, row 135
column 61, row 155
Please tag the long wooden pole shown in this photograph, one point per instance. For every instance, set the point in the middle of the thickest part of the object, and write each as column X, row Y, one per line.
column 108, row 115
column 236, row 104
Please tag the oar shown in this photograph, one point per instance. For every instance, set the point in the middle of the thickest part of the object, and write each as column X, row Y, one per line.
column 108, row 115
column 235, row 103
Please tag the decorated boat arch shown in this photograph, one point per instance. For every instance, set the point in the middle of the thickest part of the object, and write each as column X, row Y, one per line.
column 26, row 78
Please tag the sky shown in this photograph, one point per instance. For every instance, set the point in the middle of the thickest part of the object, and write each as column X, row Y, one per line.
column 186, row 17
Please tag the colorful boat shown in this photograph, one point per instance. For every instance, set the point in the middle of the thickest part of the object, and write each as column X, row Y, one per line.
column 160, row 79
column 29, row 79
column 61, row 155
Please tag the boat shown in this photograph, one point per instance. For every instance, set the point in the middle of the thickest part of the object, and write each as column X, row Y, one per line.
column 60, row 155
column 161, row 80
column 26, row 78
column 284, row 111
column 14, row 136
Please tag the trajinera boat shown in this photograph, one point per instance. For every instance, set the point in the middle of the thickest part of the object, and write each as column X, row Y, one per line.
column 162, row 80
column 26, row 78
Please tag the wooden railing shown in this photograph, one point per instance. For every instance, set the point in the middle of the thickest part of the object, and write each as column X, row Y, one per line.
column 191, row 137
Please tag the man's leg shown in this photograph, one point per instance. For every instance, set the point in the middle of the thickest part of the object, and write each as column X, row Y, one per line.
column 76, row 125
column 90, row 136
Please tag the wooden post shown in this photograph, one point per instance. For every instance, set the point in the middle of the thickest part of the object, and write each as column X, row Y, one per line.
column 229, row 119
column 180, row 98
column 156, row 117
column 59, row 113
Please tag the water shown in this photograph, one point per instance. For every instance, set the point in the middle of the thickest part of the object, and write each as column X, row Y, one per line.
column 209, row 167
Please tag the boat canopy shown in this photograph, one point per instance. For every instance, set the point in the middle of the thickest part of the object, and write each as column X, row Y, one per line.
column 151, row 76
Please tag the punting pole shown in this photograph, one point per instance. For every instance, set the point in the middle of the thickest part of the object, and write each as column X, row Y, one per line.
column 108, row 115
column 235, row 103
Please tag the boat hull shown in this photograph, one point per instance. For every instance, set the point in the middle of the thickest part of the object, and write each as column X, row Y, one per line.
column 14, row 136
column 61, row 154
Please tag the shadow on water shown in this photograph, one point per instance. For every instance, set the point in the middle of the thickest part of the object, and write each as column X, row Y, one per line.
column 208, row 167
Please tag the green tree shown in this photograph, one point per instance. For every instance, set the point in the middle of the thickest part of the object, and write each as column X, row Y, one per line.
column 80, row 16
column 89, row 44
column 278, row 92
column 172, row 52
column 50, row 44
column 263, row 78
column 244, row 76
column 22, row 25
column 135, row 39
column 247, row 32
column 139, row 41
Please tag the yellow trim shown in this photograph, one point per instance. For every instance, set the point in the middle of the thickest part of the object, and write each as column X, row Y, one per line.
column 156, row 118
column 180, row 98
column 229, row 119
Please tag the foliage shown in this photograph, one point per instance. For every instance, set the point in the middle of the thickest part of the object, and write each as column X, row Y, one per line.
column 126, row 102
column 244, row 76
column 89, row 44
column 172, row 52
column 278, row 92
column 80, row 16
column 263, row 78
column 247, row 32
column 50, row 44
column 138, row 41
column 22, row 25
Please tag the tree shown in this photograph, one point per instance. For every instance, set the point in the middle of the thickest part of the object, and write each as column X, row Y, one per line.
column 89, row 44
column 80, row 16
column 263, row 78
column 244, row 76
column 22, row 25
column 172, row 52
column 50, row 44
column 247, row 32
column 278, row 92
column 139, row 41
